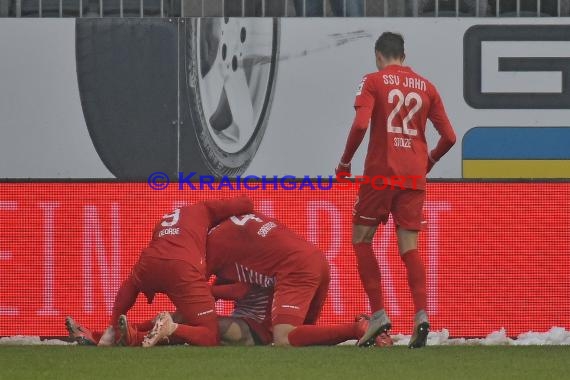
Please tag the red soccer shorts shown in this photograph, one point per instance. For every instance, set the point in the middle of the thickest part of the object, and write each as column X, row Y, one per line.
column 300, row 293
column 372, row 207
column 182, row 282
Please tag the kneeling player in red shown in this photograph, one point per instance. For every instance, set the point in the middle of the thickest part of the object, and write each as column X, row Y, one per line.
column 174, row 264
column 259, row 250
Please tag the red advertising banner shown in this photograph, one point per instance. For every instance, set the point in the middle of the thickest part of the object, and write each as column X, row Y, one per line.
column 497, row 255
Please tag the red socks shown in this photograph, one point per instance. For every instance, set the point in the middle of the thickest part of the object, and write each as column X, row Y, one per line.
column 138, row 332
column 311, row 335
column 195, row 335
column 145, row 325
column 416, row 278
column 369, row 274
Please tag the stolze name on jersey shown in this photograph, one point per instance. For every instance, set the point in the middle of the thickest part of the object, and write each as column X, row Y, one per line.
column 192, row 181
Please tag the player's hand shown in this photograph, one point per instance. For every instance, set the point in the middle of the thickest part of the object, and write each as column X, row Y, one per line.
column 343, row 170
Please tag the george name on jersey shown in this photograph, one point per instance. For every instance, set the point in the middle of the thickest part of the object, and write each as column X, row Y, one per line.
column 169, row 231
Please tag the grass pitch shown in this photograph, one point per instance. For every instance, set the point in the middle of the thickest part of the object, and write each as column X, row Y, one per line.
column 251, row 363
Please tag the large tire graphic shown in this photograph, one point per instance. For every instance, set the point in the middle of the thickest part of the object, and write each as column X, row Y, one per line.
column 150, row 100
column 127, row 76
column 230, row 70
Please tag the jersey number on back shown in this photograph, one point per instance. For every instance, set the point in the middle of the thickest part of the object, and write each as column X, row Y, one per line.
column 396, row 95
column 244, row 219
column 170, row 220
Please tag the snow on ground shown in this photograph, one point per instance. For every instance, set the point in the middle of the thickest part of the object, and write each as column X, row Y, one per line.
column 555, row 336
column 23, row 340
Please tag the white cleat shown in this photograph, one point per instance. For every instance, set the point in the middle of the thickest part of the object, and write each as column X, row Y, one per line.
column 163, row 327
column 379, row 323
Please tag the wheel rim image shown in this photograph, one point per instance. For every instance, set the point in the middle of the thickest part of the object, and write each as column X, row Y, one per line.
column 234, row 61
column 155, row 97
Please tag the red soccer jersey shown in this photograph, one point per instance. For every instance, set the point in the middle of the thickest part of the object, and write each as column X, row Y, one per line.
column 254, row 249
column 401, row 102
column 181, row 235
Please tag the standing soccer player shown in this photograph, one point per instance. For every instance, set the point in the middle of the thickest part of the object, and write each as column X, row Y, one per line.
column 397, row 102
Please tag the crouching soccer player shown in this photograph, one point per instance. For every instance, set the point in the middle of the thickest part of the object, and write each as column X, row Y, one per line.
column 263, row 254
column 174, row 263
column 258, row 250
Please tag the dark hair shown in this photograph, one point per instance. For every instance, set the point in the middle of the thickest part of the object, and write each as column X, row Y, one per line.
column 390, row 45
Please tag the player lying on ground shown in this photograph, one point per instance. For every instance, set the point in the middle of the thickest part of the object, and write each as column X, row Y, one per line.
column 248, row 325
column 131, row 334
column 397, row 102
column 258, row 250
column 174, row 263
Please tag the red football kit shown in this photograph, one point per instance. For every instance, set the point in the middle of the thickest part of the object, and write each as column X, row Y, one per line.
column 174, row 264
column 259, row 250
column 397, row 102
column 273, row 275
column 255, row 249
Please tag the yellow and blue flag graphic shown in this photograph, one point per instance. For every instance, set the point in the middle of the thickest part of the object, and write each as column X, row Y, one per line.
column 516, row 152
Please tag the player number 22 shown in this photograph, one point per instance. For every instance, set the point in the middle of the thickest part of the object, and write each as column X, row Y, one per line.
column 401, row 99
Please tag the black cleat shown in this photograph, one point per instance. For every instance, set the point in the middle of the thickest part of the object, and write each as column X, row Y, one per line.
column 419, row 338
column 78, row 333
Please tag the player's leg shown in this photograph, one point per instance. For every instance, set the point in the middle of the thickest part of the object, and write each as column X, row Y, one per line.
column 203, row 334
column 81, row 334
column 372, row 208
column 320, row 296
column 311, row 335
column 191, row 294
column 109, row 338
column 293, row 295
column 132, row 334
column 408, row 217
column 367, row 264
column 292, row 334
column 235, row 332
column 292, row 310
